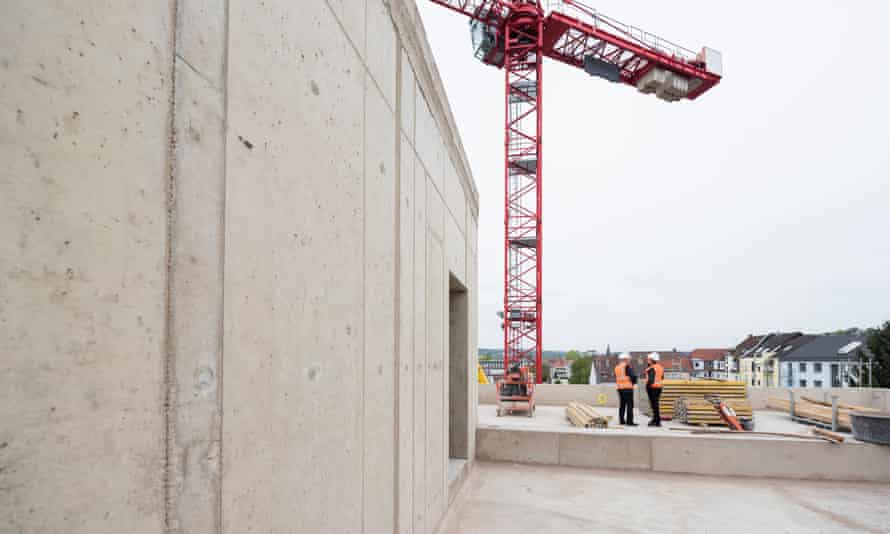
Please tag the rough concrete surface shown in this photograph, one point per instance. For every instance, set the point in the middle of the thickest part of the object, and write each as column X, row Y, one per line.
column 85, row 107
column 228, row 230
column 549, row 438
column 504, row 497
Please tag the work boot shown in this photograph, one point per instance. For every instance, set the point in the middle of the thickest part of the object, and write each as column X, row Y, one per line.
column 653, row 423
column 631, row 424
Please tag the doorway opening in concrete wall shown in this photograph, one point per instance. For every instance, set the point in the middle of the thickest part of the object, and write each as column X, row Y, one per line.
column 458, row 378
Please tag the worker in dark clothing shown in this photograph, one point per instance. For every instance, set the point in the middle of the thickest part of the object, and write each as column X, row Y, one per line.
column 654, row 384
column 625, row 379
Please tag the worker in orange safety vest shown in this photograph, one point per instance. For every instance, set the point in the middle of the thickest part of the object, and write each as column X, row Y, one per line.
column 625, row 378
column 654, row 383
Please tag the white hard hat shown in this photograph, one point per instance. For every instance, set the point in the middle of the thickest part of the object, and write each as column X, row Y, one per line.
column 624, row 356
column 654, row 356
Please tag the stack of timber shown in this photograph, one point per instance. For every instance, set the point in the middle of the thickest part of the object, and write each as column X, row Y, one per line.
column 695, row 390
column 816, row 410
column 584, row 416
column 702, row 412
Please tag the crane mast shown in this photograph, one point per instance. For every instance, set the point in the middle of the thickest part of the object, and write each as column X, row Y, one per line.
column 516, row 35
column 523, row 55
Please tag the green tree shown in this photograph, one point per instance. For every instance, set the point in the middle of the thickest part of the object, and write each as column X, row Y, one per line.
column 545, row 372
column 485, row 357
column 878, row 343
column 581, row 370
column 573, row 355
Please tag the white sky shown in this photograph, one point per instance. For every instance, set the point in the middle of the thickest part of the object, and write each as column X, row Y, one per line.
column 764, row 205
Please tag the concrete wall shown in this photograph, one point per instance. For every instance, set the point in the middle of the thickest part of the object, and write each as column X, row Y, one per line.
column 878, row 398
column 227, row 230
column 702, row 455
column 561, row 394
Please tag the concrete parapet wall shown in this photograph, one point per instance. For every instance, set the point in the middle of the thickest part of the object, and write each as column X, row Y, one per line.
column 561, row 394
column 878, row 398
column 702, row 455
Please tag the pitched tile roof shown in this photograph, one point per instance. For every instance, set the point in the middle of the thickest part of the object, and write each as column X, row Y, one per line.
column 709, row 354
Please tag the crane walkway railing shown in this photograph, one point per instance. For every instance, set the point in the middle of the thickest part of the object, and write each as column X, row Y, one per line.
column 589, row 15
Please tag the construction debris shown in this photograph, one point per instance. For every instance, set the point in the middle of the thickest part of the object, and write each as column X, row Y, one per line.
column 828, row 434
column 842, row 405
column 585, row 416
column 814, row 411
column 702, row 412
column 696, row 390
column 700, row 431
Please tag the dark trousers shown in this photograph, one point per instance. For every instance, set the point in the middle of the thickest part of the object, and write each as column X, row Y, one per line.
column 654, row 397
column 626, row 406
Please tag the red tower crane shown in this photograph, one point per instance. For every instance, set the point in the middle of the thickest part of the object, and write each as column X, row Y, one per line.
column 516, row 35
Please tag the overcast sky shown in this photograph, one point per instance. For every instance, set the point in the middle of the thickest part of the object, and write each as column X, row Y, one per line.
column 764, row 205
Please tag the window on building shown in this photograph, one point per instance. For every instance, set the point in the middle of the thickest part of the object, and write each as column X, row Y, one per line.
column 817, row 367
column 803, row 383
column 803, row 367
column 817, row 383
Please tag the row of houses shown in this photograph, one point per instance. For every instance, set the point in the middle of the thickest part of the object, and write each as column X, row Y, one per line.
column 779, row 359
column 795, row 359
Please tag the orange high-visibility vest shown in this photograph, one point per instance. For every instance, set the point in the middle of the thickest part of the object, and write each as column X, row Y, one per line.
column 659, row 375
column 622, row 380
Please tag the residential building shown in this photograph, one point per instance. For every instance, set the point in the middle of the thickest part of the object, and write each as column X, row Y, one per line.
column 709, row 363
column 771, row 357
column 733, row 358
column 560, row 371
column 757, row 359
column 830, row 360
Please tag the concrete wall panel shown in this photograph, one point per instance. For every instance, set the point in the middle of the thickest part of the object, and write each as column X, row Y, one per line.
column 517, row 446
column 83, row 210
column 436, row 407
column 429, row 142
column 455, row 198
column 293, row 369
column 626, row 452
column 406, row 338
column 352, row 15
column 435, row 212
column 379, row 305
column 382, row 50
column 408, row 87
column 196, row 298
column 814, row 460
column 456, row 250
column 420, row 349
column 472, row 349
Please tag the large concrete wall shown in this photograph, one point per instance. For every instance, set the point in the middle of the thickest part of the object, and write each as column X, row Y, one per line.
column 228, row 229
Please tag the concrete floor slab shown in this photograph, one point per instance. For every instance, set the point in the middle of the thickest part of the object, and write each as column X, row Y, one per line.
column 505, row 497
